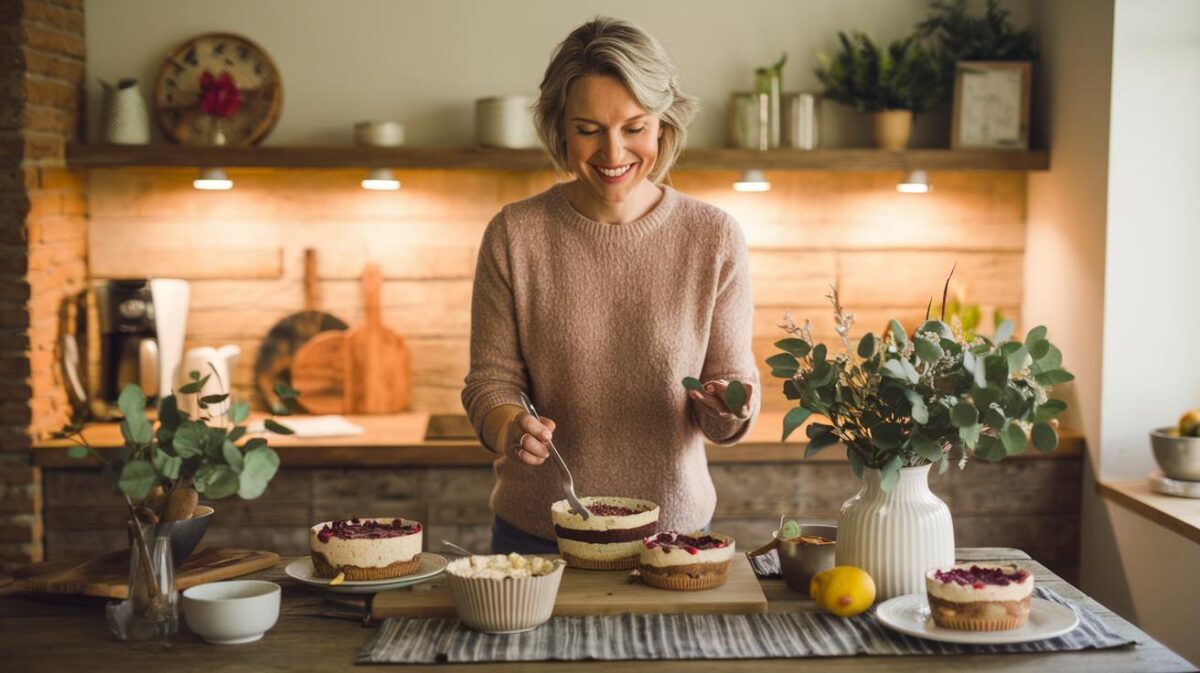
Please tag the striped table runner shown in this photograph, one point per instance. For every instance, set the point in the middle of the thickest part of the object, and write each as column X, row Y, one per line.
column 616, row 637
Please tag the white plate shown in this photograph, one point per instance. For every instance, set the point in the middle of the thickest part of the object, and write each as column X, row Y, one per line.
column 910, row 614
column 431, row 566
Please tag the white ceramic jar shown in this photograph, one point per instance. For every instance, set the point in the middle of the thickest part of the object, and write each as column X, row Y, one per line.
column 504, row 121
column 897, row 535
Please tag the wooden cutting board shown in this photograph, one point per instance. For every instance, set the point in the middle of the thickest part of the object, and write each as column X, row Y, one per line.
column 274, row 362
column 376, row 358
column 595, row 592
column 318, row 371
column 364, row 370
column 108, row 575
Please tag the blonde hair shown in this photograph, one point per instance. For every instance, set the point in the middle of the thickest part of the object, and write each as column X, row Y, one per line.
column 618, row 49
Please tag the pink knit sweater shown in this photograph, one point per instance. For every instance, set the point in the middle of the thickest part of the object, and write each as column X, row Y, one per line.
column 599, row 324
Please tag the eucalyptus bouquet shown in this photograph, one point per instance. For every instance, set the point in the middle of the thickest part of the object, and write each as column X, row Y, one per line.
column 905, row 399
column 162, row 472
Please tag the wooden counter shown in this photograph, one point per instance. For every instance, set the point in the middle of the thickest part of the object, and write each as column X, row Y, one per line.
column 62, row 638
column 399, row 440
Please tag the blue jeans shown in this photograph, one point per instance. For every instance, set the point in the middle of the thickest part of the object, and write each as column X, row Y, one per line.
column 507, row 538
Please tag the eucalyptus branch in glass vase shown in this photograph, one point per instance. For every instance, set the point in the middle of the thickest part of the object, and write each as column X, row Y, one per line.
column 161, row 473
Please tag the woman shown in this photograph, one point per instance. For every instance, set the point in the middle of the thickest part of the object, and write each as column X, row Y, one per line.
column 599, row 295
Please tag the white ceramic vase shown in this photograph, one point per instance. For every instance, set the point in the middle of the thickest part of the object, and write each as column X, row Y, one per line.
column 897, row 535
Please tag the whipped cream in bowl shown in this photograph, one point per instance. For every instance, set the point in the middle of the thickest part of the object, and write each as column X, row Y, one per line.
column 504, row 593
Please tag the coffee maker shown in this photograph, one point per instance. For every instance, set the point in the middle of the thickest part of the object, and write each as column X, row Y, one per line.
column 142, row 326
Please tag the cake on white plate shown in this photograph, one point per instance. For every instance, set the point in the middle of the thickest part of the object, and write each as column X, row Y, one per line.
column 366, row 549
column 610, row 538
column 691, row 562
column 980, row 597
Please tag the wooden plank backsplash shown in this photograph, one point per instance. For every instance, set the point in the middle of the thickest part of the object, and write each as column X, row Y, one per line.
column 242, row 250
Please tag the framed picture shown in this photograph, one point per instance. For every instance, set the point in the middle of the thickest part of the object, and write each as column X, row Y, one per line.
column 991, row 105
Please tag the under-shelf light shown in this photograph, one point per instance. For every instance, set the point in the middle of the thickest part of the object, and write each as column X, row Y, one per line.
column 380, row 180
column 212, row 179
column 752, row 180
column 916, row 182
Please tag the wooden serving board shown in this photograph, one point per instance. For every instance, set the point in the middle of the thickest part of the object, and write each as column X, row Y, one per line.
column 108, row 575
column 595, row 592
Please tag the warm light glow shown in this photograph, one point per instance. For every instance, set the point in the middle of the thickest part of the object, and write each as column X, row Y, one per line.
column 213, row 179
column 752, row 180
column 380, row 180
column 916, row 182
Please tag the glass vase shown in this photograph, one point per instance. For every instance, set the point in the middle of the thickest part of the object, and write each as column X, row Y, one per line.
column 896, row 535
column 768, row 84
column 151, row 612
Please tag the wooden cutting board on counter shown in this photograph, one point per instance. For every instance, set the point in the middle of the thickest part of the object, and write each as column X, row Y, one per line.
column 595, row 592
column 364, row 370
column 108, row 575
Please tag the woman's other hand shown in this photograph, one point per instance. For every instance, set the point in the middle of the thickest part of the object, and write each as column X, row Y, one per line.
column 711, row 399
column 530, row 438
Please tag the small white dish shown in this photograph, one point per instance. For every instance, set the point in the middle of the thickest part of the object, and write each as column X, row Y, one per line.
column 232, row 612
column 909, row 614
column 430, row 566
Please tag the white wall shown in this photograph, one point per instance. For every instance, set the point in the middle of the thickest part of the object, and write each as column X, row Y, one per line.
column 423, row 62
column 1111, row 267
column 1152, row 268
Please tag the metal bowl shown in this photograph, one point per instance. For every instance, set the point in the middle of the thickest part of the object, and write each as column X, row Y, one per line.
column 799, row 562
column 1179, row 457
column 184, row 535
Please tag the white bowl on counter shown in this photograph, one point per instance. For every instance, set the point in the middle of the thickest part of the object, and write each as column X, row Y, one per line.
column 233, row 612
column 503, row 605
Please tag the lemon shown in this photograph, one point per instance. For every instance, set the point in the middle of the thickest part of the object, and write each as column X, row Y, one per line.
column 843, row 590
column 1189, row 424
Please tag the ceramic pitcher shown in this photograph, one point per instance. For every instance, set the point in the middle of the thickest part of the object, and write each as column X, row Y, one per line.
column 125, row 119
column 215, row 363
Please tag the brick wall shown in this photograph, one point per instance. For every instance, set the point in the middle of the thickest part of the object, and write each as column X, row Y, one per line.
column 43, row 238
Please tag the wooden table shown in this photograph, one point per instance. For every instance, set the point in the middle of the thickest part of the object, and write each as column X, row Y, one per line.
column 39, row 636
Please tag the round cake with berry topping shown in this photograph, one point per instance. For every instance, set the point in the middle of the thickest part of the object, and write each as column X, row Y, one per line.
column 973, row 597
column 610, row 538
column 366, row 549
column 691, row 562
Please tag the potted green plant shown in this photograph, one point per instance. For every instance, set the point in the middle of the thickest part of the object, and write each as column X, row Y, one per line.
column 951, row 35
column 903, row 401
column 892, row 84
column 162, row 471
column 981, row 47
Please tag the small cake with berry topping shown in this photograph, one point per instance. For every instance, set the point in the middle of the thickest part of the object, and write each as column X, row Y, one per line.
column 972, row 597
column 691, row 562
column 365, row 549
column 610, row 538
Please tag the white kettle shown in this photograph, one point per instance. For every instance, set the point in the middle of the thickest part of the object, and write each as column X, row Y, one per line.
column 215, row 363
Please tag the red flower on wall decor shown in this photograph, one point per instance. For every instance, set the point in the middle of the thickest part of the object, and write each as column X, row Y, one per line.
column 219, row 96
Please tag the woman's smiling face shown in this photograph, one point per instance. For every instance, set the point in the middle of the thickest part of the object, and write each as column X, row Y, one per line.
column 612, row 142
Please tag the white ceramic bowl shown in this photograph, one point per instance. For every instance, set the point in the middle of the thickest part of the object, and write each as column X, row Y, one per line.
column 509, row 605
column 233, row 612
column 378, row 134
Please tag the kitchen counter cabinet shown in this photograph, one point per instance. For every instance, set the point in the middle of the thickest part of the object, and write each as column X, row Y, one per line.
column 399, row 440
column 1031, row 502
column 64, row 638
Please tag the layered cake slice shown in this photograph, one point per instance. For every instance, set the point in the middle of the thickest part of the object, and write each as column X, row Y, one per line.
column 610, row 538
column 972, row 597
column 690, row 562
column 365, row 549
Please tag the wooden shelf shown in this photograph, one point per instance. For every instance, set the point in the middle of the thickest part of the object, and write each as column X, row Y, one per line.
column 133, row 156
